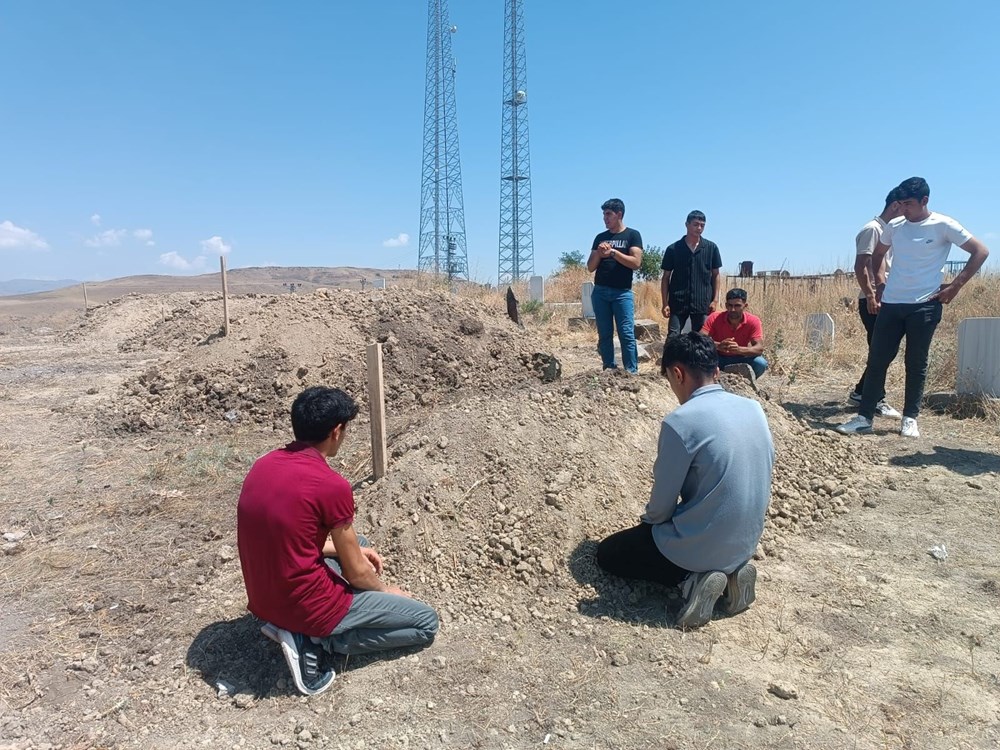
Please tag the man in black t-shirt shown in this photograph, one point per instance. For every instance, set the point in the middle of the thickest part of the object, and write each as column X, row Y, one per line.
column 689, row 286
column 614, row 256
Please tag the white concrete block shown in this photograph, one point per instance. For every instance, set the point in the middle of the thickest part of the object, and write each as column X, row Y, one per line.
column 820, row 330
column 979, row 357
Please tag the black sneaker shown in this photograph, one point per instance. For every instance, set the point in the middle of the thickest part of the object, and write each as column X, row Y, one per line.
column 303, row 658
column 701, row 592
column 740, row 592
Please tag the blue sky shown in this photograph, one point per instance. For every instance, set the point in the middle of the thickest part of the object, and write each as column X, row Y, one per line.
column 141, row 137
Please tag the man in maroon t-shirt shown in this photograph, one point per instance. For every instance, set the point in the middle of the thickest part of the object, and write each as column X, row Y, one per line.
column 308, row 575
column 739, row 337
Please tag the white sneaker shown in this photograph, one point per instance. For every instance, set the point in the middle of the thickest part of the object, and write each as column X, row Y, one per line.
column 884, row 410
column 909, row 428
column 855, row 426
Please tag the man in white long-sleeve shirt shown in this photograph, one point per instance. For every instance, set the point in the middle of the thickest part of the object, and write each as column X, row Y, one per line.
column 711, row 487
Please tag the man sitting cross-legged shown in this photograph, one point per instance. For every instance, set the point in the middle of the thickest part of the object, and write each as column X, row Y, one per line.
column 738, row 336
column 308, row 575
column 711, row 487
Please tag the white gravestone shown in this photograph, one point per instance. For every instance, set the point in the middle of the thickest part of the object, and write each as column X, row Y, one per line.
column 379, row 284
column 588, row 304
column 979, row 357
column 819, row 331
column 536, row 289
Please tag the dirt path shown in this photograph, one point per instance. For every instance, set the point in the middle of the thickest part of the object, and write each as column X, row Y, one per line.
column 123, row 610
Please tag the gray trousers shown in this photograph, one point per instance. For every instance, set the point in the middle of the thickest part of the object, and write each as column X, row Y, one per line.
column 378, row 621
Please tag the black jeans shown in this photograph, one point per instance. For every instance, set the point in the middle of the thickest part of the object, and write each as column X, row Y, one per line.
column 677, row 320
column 868, row 321
column 916, row 322
column 632, row 553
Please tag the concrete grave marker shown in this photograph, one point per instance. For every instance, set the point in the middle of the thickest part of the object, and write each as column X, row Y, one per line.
column 979, row 357
column 819, row 331
column 379, row 284
column 588, row 305
column 536, row 289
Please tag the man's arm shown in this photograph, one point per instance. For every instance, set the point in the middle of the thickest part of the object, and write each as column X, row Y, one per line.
column 713, row 305
column 358, row 569
column 665, row 293
column 669, row 471
column 979, row 253
column 863, row 271
column 631, row 260
column 878, row 265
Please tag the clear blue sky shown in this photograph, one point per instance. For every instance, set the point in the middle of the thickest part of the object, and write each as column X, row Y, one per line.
column 138, row 137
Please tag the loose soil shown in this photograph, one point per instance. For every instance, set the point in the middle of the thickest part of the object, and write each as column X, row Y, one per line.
column 127, row 434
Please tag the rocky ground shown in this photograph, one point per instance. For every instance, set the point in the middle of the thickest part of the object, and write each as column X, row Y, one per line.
column 127, row 436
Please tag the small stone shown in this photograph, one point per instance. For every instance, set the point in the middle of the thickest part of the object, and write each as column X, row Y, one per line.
column 244, row 701
column 443, row 442
column 438, row 662
column 305, row 736
column 974, row 484
column 857, row 603
column 869, row 503
column 14, row 536
column 783, row 691
column 619, row 659
column 226, row 553
column 355, row 720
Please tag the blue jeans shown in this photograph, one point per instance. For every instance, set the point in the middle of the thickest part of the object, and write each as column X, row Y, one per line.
column 377, row 621
column 758, row 364
column 916, row 323
column 615, row 308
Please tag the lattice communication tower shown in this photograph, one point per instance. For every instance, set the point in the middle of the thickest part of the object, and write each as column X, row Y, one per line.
column 442, row 214
column 517, row 256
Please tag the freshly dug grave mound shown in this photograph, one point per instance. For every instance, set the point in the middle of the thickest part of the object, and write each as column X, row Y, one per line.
column 500, row 502
column 436, row 348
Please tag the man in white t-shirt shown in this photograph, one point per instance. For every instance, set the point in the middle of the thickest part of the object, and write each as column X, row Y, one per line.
column 865, row 243
column 911, row 304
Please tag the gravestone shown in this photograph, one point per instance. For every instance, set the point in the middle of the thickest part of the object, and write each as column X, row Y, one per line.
column 978, row 357
column 379, row 284
column 588, row 305
column 819, row 331
column 536, row 289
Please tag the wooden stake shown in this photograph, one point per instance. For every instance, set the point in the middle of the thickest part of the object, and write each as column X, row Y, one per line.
column 376, row 405
column 86, row 303
column 225, row 297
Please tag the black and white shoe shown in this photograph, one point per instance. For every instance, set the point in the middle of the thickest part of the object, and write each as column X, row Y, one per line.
column 701, row 592
column 303, row 659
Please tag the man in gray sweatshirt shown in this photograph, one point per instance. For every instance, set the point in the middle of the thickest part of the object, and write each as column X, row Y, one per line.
column 711, row 487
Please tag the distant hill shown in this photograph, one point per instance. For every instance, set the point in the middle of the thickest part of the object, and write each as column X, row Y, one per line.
column 30, row 286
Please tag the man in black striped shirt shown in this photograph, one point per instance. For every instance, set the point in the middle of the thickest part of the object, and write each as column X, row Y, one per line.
column 689, row 286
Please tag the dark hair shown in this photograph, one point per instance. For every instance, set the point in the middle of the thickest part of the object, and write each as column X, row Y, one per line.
column 737, row 293
column 893, row 196
column 614, row 204
column 317, row 410
column 694, row 351
column 693, row 216
column 915, row 187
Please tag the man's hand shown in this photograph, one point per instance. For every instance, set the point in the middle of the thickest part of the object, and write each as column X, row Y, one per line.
column 373, row 557
column 873, row 304
column 713, row 306
column 605, row 249
column 727, row 346
column 666, row 311
column 946, row 293
column 398, row 591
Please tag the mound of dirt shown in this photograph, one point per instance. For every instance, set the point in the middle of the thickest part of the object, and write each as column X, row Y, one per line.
column 436, row 348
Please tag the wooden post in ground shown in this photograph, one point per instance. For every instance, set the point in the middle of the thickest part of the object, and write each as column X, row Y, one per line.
column 86, row 303
column 225, row 297
column 376, row 406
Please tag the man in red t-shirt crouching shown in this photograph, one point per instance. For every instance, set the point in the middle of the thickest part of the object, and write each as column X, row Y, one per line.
column 308, row 575
column 738, row 336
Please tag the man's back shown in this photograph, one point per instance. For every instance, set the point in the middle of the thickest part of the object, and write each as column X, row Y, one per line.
column 289, row 502
column 725, row 443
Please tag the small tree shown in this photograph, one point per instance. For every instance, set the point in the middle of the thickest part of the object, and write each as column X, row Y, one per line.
column 652, row 257
column 571, row 259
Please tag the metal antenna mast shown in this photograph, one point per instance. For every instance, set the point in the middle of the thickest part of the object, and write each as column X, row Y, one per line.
column 517, row 257
column 442, row 214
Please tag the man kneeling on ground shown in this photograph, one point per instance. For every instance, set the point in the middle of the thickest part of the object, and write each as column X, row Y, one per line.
column 738, row 337
column 308, row 575
column 715, row 453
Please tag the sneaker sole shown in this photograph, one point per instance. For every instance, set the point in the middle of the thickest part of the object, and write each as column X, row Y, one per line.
column 291, row 653
column 741, row 593
column 700, row 607
column 859, row 431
